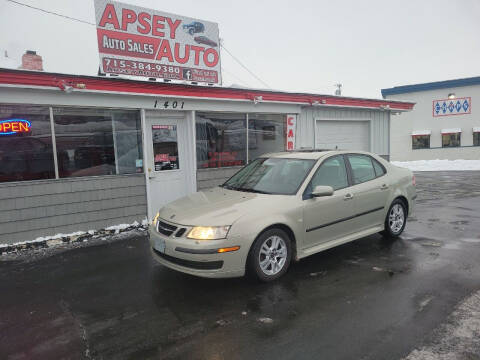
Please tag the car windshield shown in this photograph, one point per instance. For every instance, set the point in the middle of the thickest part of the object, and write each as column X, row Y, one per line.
column 271, row 176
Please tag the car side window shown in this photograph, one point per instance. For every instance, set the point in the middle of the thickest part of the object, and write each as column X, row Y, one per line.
column 362, row 168
column 332, row 172
column 379, row 170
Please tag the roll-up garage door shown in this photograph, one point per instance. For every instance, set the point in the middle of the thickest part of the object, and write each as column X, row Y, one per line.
column 344, row 135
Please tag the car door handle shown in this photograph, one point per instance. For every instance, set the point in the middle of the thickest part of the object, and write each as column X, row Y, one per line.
column 348, row 196
column 384, row 187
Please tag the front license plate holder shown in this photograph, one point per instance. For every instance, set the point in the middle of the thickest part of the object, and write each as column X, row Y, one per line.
column 159, row 245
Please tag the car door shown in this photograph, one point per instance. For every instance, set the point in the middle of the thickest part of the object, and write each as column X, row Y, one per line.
column 330, row 217
column 370, row 189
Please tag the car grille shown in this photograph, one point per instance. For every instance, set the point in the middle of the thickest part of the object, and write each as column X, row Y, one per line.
column 165, row 229
column 199, row 265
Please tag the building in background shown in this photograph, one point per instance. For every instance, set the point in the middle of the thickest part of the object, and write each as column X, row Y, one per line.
column 445, row 123
column 86, row 152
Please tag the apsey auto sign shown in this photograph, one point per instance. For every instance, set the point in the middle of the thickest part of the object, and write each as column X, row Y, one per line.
column 142, row 42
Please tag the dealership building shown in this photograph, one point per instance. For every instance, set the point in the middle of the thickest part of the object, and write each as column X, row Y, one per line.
column 81, row 153
column 444, row 124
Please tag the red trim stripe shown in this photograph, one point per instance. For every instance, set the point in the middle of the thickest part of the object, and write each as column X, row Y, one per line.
column 29, row 78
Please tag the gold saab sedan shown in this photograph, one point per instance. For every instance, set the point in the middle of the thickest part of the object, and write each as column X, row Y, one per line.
column 282, row 207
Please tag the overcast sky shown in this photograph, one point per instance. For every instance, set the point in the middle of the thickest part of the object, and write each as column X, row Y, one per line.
column 302, row 45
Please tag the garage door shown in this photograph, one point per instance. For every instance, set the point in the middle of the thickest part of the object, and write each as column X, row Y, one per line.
column 345, row 135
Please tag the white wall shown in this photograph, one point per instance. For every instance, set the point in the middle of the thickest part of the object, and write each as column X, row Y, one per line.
column 421, row 118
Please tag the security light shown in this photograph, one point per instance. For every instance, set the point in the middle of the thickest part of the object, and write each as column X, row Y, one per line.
column 451, row 96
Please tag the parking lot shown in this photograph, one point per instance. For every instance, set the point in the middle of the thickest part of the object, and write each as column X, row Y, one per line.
column 370, row 299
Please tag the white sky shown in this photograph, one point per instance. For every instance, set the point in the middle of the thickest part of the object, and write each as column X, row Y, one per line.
column 302, row 45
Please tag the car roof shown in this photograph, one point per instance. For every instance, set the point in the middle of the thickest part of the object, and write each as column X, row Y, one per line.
column 314, row 154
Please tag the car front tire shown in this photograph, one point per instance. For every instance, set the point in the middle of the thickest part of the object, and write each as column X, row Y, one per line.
column 270, row 255
column 396, row 219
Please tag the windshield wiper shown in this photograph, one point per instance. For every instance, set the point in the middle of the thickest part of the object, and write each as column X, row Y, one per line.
column 253, row 191
column 229, row 187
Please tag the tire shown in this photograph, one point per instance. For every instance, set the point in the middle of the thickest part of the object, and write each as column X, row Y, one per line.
column 396, row 219
column 273, row 243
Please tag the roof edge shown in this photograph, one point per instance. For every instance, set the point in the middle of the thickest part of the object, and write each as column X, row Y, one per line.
column 15, row 77
column 403, row 89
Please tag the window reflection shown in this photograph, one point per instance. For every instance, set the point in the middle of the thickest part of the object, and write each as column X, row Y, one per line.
column 97, row 142
column 266, row 134
column 165, row 147
column 26, row 155
column 221, row 140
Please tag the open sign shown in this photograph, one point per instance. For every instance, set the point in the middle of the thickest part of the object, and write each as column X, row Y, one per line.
column 14, row 126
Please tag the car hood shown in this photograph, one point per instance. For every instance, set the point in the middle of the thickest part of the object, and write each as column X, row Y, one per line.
column 212, row 207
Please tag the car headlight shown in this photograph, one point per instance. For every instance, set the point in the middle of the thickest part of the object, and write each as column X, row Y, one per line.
column 155, row 219
column 208, row 232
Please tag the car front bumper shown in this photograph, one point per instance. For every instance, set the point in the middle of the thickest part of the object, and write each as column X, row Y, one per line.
column 198, row 257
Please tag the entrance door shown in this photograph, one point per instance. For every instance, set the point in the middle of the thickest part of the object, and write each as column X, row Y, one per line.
column 169, row 158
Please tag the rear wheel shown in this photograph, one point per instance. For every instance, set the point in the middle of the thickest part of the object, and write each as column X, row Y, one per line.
column 396, row 219
column 270, row 255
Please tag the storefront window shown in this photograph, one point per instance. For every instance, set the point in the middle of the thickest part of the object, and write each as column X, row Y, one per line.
column 420, row 142
column 221, row 140
column 128, row 141
column 97, row 142
column 266, row 133
column 476, row 139
column 165, row 147
column 25, row 143
column 451, row 140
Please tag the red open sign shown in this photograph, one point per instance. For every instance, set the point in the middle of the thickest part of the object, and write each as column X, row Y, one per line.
column 14, row 126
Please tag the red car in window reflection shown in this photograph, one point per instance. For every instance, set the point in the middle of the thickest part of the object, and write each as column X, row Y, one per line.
column 25, row 158
column 204, row 40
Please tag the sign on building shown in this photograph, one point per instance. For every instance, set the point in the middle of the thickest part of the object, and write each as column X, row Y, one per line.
column 291, row 128
column 136, row 41
column 457, row 106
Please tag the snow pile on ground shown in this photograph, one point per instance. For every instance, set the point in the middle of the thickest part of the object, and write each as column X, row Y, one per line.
column 458, row 338
column 439, row 165
column 48, row 241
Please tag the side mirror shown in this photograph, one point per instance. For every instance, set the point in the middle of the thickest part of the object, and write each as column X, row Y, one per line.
column 322, row 190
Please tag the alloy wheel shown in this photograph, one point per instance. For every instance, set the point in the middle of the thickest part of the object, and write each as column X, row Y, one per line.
column 272, row 255
column 396, row 218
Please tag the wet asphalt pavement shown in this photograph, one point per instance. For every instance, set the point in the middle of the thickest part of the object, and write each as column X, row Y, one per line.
column 369, row 299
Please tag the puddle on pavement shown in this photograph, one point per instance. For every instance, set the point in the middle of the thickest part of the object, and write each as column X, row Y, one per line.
column 452, row 246
column 473, row 241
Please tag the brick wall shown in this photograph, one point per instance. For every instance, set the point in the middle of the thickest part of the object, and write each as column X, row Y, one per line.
column 32, row 61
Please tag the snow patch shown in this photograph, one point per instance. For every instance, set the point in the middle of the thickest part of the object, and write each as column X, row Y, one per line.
column 53, row 240
column 439, row 165
column 47, row 238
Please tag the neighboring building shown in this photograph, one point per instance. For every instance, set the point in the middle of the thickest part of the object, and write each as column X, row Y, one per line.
column 444, row 125
column 84, row 152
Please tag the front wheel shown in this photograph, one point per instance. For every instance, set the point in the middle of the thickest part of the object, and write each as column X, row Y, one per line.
column 270, row 255
column 396, row 219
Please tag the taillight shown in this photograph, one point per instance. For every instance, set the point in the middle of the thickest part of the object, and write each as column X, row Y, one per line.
column 414, row 182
